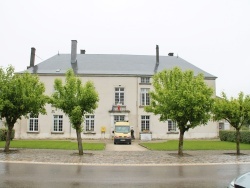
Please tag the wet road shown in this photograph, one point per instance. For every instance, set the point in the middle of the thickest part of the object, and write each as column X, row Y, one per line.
column 60, row 176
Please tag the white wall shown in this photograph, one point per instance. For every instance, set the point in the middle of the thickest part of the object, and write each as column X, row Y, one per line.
column 105, row 87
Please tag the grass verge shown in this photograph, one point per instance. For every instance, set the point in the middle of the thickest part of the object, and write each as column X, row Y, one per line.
column 194, row 145
column 52, row 144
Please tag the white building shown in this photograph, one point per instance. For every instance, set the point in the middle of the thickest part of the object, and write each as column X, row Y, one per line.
column 123, row 83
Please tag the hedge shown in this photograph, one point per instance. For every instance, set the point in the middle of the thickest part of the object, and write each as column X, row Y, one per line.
column 3, row 133
column 230, row 136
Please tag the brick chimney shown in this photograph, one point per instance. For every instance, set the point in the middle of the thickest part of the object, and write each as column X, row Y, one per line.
column 73, row 51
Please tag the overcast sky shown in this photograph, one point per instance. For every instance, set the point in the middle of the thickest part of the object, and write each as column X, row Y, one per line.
column 214, row 35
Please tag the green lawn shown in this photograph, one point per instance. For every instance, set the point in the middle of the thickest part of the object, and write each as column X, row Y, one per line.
column 194, row 145
column 164, row 146
column 52, row 144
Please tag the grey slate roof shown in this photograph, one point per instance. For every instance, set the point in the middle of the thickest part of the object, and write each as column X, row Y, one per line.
column 107, row 64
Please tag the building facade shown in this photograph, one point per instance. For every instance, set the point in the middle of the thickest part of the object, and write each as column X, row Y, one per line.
column 123, row 83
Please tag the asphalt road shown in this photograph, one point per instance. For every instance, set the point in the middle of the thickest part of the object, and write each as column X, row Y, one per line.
column 61, row 176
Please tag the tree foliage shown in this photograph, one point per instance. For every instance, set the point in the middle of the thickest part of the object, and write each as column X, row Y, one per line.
column 75, row 100
column 235, row 110
column 181, row 97
column 20, row 94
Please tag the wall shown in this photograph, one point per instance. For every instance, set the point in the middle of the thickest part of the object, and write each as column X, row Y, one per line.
column 103, row 117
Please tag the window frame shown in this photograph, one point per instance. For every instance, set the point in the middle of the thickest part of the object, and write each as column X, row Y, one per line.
column 58, row 119
column 119, row 95
column 145, row 99
column 119, row 119
column 145, row 80
column 221, row 126
column 89, row 123
column 33, row 123
column 172, row 126
column 145, row 123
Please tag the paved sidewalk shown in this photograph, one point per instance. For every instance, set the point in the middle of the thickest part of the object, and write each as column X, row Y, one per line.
column 124, row 155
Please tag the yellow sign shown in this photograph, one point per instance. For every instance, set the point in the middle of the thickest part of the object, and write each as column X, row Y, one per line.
column 103, row 129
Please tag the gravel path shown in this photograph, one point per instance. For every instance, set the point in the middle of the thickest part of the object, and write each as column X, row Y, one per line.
column 124, row 155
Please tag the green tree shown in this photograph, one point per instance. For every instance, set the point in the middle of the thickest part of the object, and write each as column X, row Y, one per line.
column 235, row 110
column 20, row 94
column 75, row 100
column 181, row 97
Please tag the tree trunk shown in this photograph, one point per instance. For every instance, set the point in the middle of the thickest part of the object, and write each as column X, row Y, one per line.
column 180, row 149
column 238, row 141
column 79, row 142
column 8, row 137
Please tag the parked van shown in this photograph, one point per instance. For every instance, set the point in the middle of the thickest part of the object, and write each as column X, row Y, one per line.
column 122, row 132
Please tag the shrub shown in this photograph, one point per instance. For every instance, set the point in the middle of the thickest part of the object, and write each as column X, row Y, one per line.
column 230, row 136
column 245, row 137
column 3, row 133
column 244, row 128
column 223, row 135
column 227, row 136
